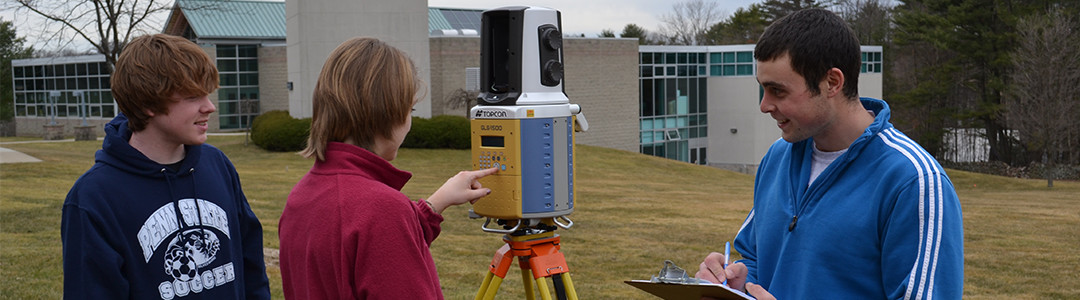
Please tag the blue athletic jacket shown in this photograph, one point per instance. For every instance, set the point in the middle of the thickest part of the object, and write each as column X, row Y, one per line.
column 881, row 222
column 133, row 229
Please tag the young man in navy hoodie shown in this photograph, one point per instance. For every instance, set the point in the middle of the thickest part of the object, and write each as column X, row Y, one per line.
column 845, row 205
column 161, row 214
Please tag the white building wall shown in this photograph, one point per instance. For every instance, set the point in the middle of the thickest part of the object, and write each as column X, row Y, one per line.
column 316, row 27
column 739, row 134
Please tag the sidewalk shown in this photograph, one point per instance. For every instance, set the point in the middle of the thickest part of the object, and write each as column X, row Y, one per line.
column 8, row 156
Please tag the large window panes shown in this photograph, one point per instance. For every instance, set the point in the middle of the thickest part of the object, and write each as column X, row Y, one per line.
column 74, row 89
column 672, row 102
column 238, row 97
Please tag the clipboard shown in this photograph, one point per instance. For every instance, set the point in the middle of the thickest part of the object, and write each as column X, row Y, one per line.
column 682, row 291
column 673, row 283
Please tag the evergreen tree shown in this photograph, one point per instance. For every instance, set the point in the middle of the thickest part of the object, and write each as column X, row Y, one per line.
column 745, row 26
column 11, row 47
column 632, row 30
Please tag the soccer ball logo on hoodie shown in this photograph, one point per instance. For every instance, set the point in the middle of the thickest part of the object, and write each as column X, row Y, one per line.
column 189, row 251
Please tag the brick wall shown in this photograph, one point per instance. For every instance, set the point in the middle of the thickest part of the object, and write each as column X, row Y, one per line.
column 600, row 75
column 273, row 75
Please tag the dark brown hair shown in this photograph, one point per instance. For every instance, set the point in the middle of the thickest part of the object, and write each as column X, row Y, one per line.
column 816, row 40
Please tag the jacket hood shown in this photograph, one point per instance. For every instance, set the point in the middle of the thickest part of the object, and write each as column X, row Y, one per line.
column 117, row 152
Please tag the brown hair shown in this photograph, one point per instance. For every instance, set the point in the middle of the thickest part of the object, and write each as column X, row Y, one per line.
column 366, row 88
column 152, row 68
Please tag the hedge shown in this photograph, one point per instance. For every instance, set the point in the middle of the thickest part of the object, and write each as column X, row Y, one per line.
column 443, row 131
column 278, row 131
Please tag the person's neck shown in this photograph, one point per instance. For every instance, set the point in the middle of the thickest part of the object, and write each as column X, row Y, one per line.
column 155, row 148
column 851, row 120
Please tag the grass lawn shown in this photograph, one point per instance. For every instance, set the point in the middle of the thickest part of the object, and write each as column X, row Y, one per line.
column 632, row 213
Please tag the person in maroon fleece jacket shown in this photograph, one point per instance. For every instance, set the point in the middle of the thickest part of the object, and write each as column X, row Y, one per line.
column 347, row 231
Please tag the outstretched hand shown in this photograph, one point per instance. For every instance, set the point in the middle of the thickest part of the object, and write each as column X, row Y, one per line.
column 463, row 187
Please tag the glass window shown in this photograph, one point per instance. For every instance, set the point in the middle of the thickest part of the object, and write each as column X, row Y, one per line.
column 224, row 51
column 646, row 71
column 682, row 58
column 249, row 79
column 745, row 70
column 249, row 65
column 714, row 58
column 658, row 58
column 247, row 50
column 646, row 97
column 745, row 57
column 729, row 57
column 646, row 58
column 226, row 65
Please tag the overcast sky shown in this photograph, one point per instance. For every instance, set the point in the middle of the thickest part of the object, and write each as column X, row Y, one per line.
column 592, row 16
column 587, row 17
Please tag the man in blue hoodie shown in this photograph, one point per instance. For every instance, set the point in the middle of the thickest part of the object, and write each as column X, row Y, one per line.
column 161, row 215
column 845, row 206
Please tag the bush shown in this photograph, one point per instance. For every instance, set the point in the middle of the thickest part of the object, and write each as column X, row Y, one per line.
column 278, row 131
column 443, row 131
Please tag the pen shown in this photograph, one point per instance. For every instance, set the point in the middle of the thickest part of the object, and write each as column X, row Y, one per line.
column 727, row 255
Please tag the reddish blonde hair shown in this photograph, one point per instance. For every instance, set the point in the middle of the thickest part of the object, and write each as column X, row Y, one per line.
column 153, row 68
column 365, row 90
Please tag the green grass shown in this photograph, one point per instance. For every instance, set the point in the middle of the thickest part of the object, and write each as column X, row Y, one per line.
column 632, row 212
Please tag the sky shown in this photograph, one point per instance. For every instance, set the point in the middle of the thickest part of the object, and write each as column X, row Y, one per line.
column 588, row 17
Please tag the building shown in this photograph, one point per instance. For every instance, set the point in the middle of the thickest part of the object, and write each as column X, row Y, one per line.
column 61, row 92
column 697, row 104
column 700, row 104
column 269, row 54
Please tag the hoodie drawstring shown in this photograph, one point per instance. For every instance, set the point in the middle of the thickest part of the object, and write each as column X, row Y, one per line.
column 176, row 206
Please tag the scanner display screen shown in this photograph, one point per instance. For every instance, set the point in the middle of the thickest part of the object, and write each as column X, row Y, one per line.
column 492, row 141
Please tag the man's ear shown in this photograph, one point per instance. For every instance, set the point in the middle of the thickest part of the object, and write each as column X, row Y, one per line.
column 834, row 82
column 149, row 113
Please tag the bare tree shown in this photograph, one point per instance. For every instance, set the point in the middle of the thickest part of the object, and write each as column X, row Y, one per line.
column 106, row 24
column 689, row 20
column 1045, row 97
column 869, row 19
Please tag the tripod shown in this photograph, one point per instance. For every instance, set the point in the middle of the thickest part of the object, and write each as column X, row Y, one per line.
column 537, row 250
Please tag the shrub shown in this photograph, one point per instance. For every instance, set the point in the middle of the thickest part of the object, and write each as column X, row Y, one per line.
column 278, row 131
column 443, row 131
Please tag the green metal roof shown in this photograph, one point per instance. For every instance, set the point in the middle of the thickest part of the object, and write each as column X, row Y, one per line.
column 453, row 18
column 235, row 19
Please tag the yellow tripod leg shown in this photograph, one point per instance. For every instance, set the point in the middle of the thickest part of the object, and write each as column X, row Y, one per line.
column 541, row 284
column 527, row 281
column 484, row 286
column 571, row 294
column 492, row 288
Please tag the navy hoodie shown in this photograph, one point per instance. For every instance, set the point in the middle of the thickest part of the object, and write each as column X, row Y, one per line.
column 134, row 229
